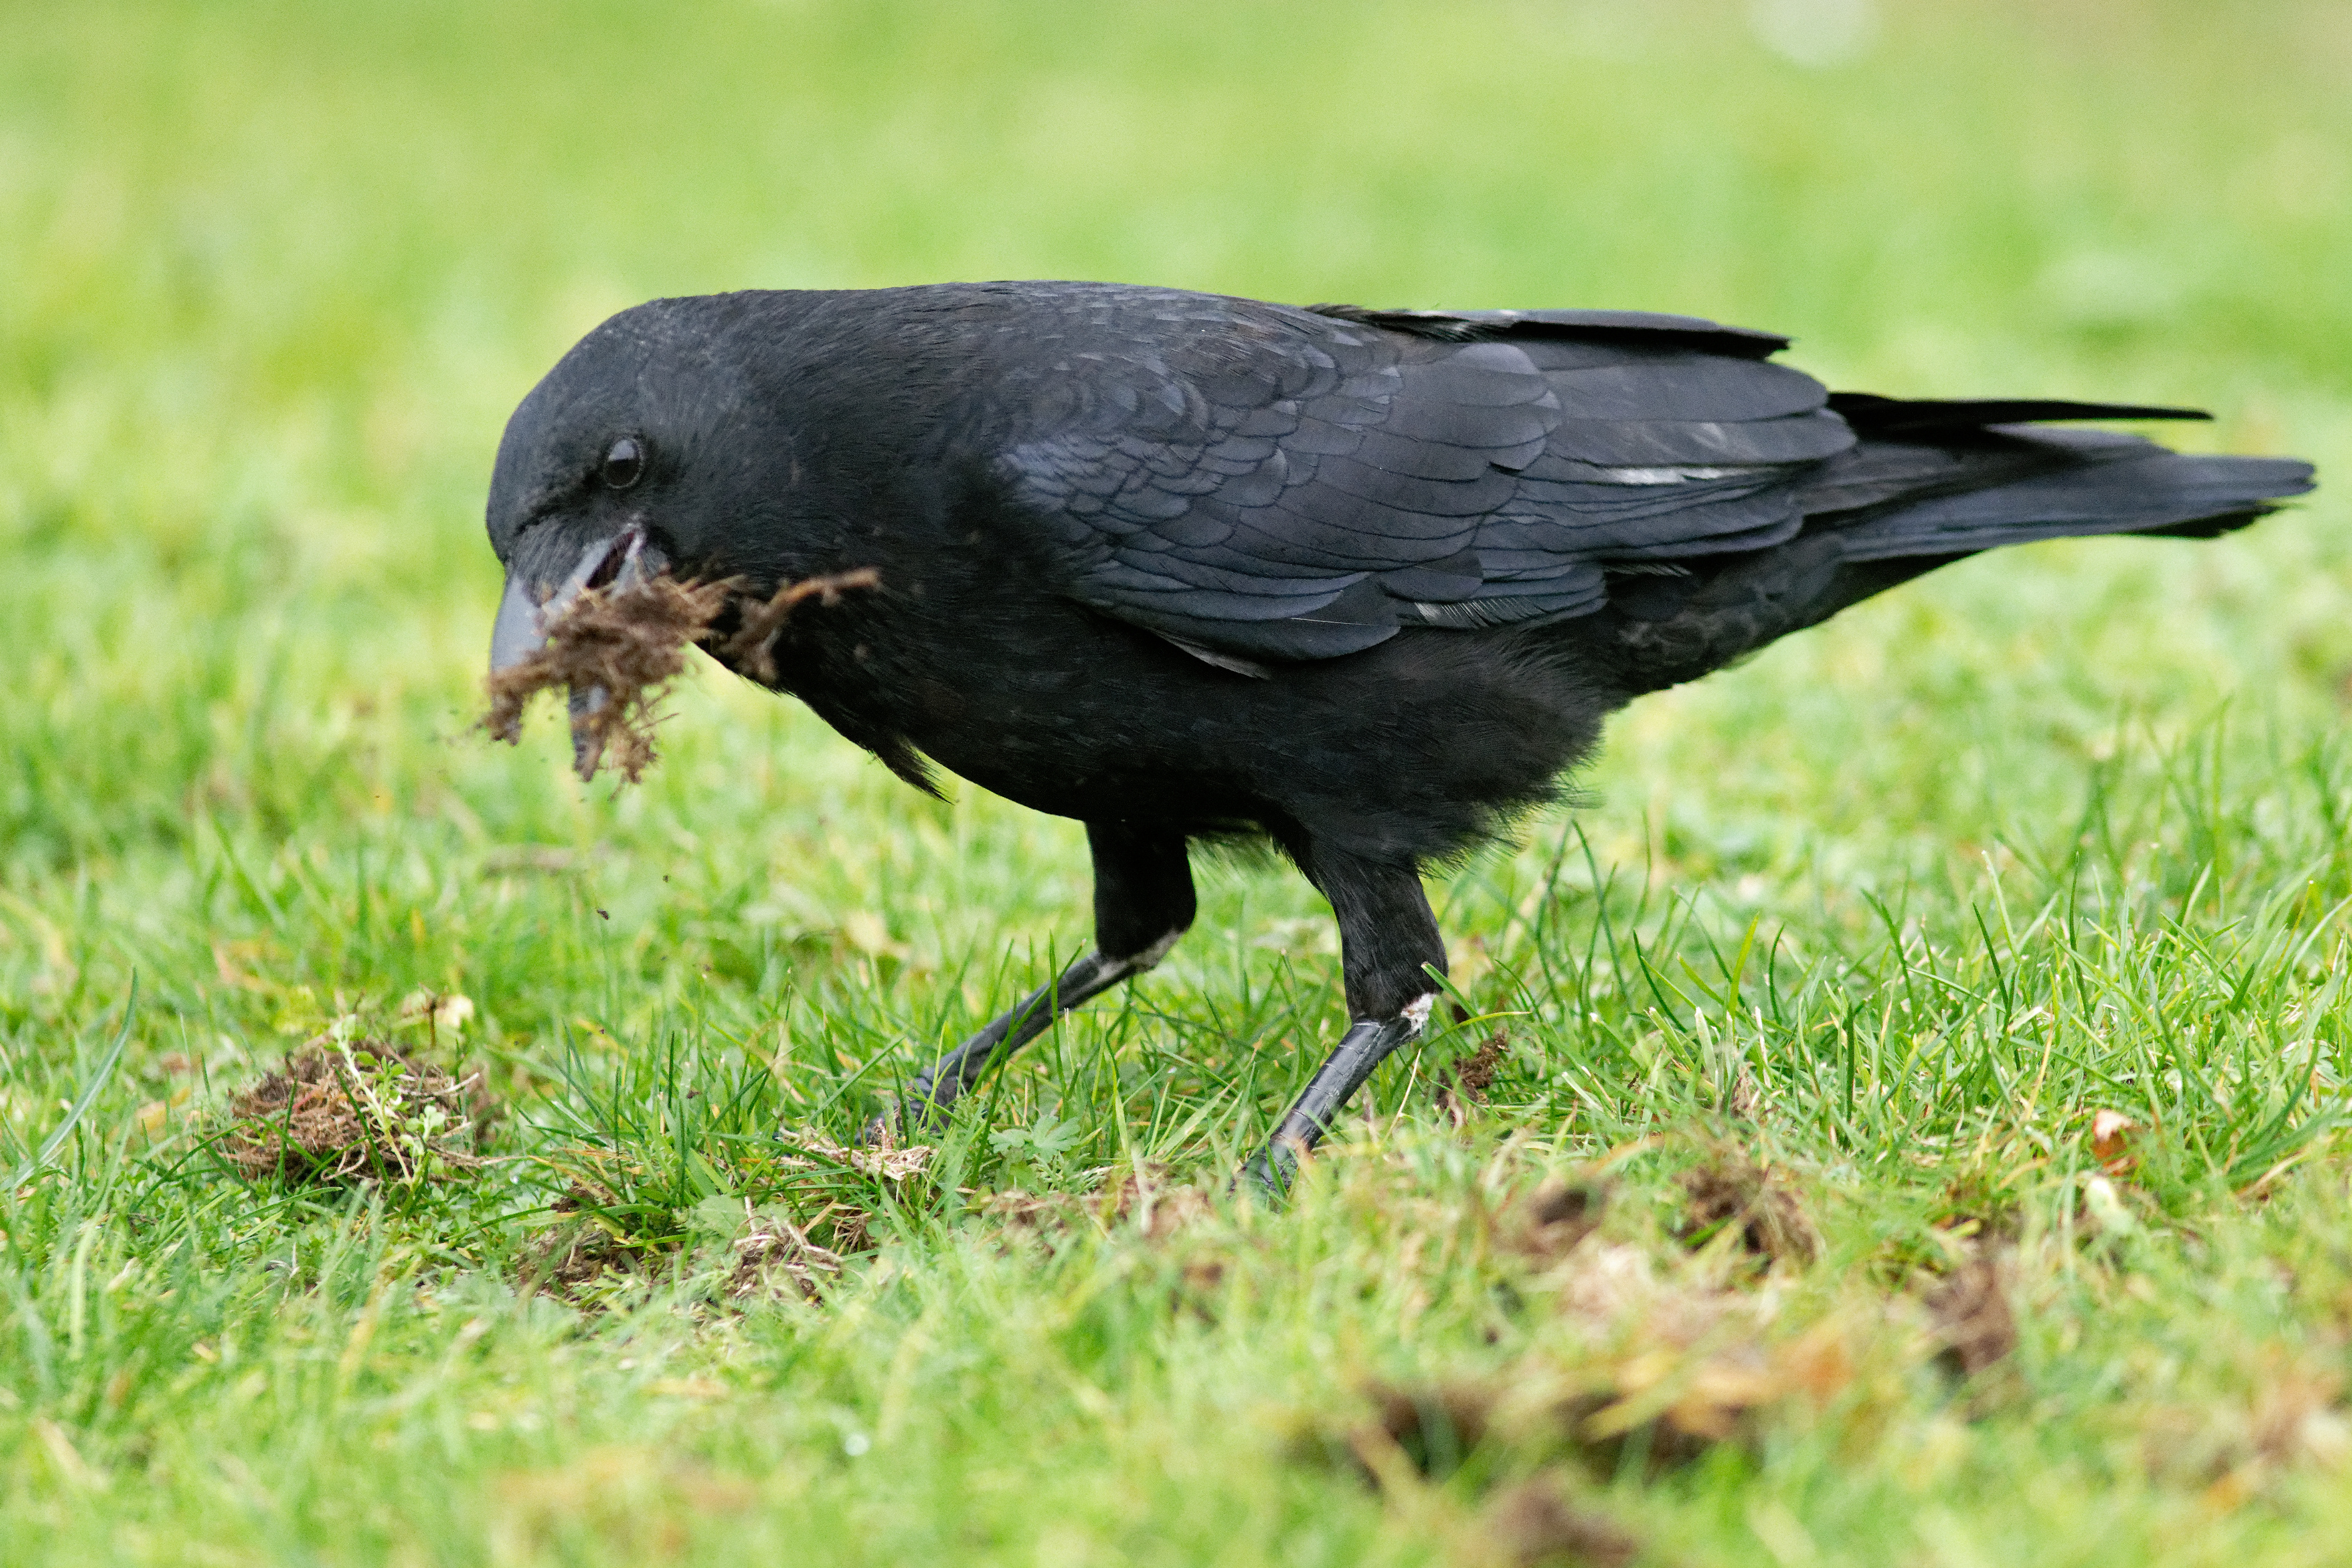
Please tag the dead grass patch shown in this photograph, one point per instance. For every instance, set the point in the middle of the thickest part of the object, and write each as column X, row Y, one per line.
column 1730, row 1192
column 630, row 645
column 774, row 1257
column 806, row 1211
column 1643, row 1363
column 1143, row 1199
column 1535, row 1525
column 1970, row 1309
column 340, row 1112
column 1144, row 1204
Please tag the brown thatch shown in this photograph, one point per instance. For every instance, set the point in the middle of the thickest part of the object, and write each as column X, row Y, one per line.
column 339, row 1111
column 1971, row 1314
column 631, row 644
column 1730, row 1192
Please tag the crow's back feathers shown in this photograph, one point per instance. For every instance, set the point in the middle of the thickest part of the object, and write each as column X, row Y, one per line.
column 1274, row 483
column 1263, row 482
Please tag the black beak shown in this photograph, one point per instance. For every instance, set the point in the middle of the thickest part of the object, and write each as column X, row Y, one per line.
column 529, row 608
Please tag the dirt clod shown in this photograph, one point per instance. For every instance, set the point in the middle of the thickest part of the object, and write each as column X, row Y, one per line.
column 1556, row 1215
column 1435, row 1425
column 1463, row 1084
column 631, row 644
column 1731, row 1192
column 340, row 1111
column 1532, row 1523
column 1971, row 1314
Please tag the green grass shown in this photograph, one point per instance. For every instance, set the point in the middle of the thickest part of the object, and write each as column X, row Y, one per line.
column 1897, row 907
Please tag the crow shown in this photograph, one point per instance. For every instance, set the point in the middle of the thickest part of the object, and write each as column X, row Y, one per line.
column 1188, row 568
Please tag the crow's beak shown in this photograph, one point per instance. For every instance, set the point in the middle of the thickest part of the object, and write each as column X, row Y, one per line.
column 529, row 608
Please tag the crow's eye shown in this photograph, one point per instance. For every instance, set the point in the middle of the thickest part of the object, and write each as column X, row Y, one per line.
column 624, row 462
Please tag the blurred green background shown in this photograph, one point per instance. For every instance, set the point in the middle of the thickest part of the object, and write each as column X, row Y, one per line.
column 272, row 274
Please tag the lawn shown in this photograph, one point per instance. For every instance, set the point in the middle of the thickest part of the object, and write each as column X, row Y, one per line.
column 1933, row 1033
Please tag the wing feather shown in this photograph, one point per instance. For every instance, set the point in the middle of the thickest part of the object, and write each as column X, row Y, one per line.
column 1266, row 482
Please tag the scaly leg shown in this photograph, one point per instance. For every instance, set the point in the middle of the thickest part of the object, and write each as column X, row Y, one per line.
column 1143, row 902
column 1389, row 945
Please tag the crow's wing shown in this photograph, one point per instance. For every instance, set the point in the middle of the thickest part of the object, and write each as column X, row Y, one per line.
column 1259, row 482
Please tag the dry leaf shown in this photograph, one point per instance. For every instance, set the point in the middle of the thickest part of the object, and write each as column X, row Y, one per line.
column 2111, row 1141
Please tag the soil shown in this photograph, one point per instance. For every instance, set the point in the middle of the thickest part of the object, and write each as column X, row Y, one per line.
column 1730, row 1191
column 340, row 1112
column 1463, row 1084
column 1971, row 1314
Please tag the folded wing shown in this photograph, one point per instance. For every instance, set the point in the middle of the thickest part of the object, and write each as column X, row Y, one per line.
column 1257, row 482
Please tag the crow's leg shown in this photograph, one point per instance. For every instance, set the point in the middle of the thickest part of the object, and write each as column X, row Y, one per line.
column 1388, row 946
column 1143, row 902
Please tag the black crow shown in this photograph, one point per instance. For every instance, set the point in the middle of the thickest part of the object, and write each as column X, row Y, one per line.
column 1182, row 566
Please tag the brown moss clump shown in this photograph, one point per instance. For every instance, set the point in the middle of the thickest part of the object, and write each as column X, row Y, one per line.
column 1969, row 1307
column 1463, row 1084
column 344, row 1111
column 1730, row 1192
column 1535, row 1523
column 630, row 645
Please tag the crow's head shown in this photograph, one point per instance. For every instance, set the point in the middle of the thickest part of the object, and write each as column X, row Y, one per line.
column 644, row 451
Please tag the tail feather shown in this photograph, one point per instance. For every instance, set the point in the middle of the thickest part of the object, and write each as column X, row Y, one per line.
column 1930, row 484
column 2089, row 483
column 1871, row 415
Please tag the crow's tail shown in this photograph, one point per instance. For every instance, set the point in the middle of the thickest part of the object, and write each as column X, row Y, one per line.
column 1930, row 483
column 1952, row 478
